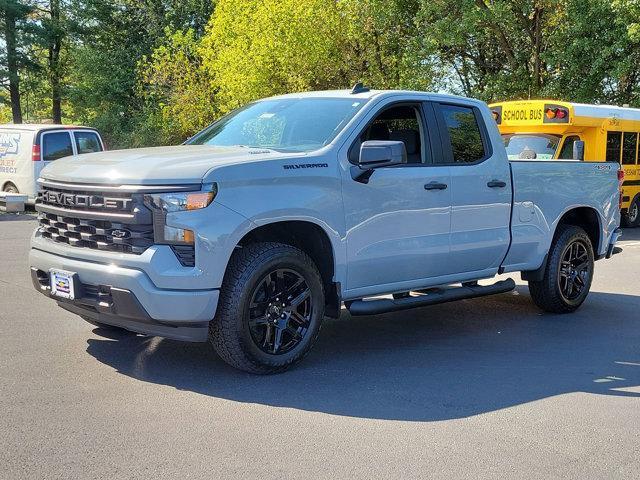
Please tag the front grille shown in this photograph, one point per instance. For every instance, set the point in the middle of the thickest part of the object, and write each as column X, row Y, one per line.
column 117, row 203
column 115, row 222
column 96, row 234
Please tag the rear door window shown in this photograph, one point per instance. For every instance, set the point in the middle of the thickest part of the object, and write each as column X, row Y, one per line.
column 465, row 137
column 87, row 142
column 56, row 145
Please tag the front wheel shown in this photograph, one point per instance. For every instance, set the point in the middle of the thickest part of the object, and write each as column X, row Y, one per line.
column 270, row 309
column 631, row 218
column 568, row 273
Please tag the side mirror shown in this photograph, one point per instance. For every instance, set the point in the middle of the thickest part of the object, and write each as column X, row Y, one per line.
column 381, row 153
column 378, row 154
column 578, row 150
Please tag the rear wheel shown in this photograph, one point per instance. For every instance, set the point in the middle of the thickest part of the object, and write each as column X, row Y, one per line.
column 631, row 218
column 568, row 273
column 270, row 309
column 10, row 188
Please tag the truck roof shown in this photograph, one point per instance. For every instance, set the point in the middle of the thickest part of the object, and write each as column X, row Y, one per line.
column 368, row 94
column 35, row 127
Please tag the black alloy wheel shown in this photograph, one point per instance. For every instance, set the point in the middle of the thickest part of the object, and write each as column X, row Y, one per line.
column 280, row 311
column 575, row 270
column 270, row 308
column 567, row 273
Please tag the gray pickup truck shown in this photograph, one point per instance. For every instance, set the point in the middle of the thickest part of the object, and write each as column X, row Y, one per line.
column 279, row 213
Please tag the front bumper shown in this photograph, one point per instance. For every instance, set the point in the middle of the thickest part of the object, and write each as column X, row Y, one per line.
column 126, row 297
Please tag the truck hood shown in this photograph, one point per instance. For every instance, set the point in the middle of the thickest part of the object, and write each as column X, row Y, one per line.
column 182, row 164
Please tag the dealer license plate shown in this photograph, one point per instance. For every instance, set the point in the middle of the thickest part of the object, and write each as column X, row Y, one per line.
column 62, row 283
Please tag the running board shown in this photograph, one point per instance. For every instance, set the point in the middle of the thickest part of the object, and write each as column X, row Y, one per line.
column 450, row 294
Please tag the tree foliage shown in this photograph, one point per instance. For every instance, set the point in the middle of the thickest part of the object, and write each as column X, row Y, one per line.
column 156, row 71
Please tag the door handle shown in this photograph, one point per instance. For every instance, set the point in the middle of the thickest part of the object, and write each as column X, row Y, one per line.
column 496, row 184
column 435, row 186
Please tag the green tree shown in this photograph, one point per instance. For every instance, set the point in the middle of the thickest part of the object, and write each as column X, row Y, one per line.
column 492, row 49
column 175, row 85
column 112, row 39
column 52, row 27
column 14, row 58
column 384, row 46
column 256, row 49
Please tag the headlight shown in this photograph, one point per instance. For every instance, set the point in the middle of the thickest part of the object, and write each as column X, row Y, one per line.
column 179, row 201
column 163, row 203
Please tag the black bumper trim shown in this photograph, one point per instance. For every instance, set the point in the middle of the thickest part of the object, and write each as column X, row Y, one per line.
column 118, row 307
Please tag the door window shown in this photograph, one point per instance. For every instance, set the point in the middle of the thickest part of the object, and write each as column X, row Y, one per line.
column 567, row 148
column 87, row 142
column 56, row 145
column 629, row 144
column 401, row 123
column 464, row 133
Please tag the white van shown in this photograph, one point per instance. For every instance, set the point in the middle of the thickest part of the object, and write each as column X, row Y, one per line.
column 25, row 149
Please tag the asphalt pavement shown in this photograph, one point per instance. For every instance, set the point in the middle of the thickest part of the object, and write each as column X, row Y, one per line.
column 483, row 388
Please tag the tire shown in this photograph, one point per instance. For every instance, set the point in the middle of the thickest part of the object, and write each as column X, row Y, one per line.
column 10, row 188
column 552, row 293
column 631, row 218
column 249, row 321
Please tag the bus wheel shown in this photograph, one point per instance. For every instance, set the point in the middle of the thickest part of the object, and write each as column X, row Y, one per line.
column 10, row 188
column 631, row 218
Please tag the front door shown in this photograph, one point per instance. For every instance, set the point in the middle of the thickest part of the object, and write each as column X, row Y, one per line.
column 397, row 224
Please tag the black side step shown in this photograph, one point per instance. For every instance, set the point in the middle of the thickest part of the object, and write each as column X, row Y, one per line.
column 467, row 290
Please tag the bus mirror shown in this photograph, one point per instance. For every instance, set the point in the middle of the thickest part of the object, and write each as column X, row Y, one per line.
column 578, row 150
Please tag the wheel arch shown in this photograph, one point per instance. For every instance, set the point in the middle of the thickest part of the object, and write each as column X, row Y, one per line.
column 312, row 239
column 7, row 183
column 586, row 218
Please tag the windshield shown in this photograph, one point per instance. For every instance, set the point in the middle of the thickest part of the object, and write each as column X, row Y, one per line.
column 531, row 146
column 289, row 124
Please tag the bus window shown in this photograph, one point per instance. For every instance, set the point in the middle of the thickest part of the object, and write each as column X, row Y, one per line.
column 629, row 143
column 567, row 148
column 534, row 146
column 614, row 141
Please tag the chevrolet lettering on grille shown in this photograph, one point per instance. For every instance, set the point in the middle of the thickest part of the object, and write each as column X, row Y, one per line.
column 86, row 201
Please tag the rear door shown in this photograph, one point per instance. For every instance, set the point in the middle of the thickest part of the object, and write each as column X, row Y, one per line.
column 480, row 189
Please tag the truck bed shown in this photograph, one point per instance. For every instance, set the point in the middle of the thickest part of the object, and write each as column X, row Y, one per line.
column 544, row 191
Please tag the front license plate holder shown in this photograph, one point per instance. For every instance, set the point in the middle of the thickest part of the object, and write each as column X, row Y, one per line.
column 63, row 283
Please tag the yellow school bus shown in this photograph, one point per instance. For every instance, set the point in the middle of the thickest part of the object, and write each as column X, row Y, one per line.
column 551, row 129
